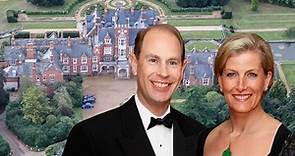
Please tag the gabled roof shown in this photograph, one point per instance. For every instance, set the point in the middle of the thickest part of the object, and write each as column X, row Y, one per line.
column 200, row 62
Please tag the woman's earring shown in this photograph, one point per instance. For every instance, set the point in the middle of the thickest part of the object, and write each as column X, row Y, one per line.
column 221, row 90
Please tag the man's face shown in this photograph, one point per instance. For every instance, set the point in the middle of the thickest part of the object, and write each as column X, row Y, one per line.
column 159, row 68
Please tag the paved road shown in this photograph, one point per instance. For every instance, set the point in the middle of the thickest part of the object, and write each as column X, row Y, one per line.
column 16, row 146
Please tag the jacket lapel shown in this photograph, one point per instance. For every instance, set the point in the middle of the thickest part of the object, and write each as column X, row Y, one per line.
column 184, row 140
column 134, row 140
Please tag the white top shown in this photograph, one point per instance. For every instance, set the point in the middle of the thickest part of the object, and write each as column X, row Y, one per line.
column 160, row 136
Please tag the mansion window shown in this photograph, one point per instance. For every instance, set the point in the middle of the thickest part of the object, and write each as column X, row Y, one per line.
column 74, row 68
column 94, row 59
column 75, row 60
column 108, row 50
column 66, row 60
column 95, row 67
column 12, row 62
column 121, row 41
column 84, row 68
column 84, row 60
column 66, row 68
column 107, row 41
column 51, row 77
column 122, row 52
column 205, row 81
column 107, row 59
column 187, row 82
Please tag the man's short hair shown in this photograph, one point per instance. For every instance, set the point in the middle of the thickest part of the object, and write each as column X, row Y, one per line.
column 163, row 27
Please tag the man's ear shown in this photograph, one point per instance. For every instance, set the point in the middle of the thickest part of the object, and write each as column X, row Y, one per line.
column 133, row 63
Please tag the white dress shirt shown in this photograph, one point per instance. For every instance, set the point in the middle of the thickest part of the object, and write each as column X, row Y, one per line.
column 160, row 136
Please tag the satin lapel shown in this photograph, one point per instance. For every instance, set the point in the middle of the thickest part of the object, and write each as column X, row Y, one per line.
column 184, row 144
column 134, row 140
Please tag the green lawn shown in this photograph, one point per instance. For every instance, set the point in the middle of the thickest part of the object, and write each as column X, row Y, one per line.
column 201, row 34
column 267, row 16
column 200, row 45
column 289, row 70
column 49, row 25
column 23, row 5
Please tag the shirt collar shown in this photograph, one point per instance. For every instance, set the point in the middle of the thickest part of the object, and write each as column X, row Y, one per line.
column 145, row 114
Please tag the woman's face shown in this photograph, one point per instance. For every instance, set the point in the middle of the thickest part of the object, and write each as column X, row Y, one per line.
column 243, row 81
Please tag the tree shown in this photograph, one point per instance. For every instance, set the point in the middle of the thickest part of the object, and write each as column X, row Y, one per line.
column 254, row 5
column 4, row 96
column 25, row 83
column 75, row 91
column 278, row 91
column 196, row 106
column 47, row 3
column 4, row 147
column 63, row 101
column 34, row 105
column 287, row 111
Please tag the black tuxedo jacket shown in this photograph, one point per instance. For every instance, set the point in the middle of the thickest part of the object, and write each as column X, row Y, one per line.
column 120, row 132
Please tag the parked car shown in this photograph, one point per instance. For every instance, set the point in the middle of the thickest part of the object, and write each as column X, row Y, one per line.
column 87, row 105
column 88, row 99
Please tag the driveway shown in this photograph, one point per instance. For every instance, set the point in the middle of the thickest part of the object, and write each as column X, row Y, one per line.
column 16, row 146
column 109, row 92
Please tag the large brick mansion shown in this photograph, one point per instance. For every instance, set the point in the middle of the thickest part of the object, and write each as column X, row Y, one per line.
column 103, row 47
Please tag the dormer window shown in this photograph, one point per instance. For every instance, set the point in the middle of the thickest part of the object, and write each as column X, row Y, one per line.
column 84, row 60
column 107, row 41
column 94, row 59
column 205, row 81
column 66, row 60
column 75, row 60
column 52, row 77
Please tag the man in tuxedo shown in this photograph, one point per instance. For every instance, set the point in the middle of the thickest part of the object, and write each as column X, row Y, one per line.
column 146, row 125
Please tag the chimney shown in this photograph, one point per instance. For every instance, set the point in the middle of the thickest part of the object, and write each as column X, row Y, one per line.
column 30, row 51
column 69, row 42
column 34, row 76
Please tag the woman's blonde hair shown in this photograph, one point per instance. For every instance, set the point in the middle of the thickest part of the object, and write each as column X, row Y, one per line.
column 243, row 42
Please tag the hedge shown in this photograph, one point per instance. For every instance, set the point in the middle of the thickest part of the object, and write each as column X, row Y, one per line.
column 11, row 16
column 22, row 34
column 205, row 9
column 291, row 32
column 67, row 9
column 4, row 147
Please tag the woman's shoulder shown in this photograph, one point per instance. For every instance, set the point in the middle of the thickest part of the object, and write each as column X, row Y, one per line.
column 281, row 136
column 212, row 131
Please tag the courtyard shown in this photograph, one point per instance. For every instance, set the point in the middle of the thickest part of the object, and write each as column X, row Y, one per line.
column 109, row 93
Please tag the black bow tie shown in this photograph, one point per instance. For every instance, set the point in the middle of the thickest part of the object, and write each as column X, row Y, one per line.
column 166, row 121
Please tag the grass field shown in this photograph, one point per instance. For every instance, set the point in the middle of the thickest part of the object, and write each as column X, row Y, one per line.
column 289, row 70
column 200, row 45
column 267, row 16
column 23, row 5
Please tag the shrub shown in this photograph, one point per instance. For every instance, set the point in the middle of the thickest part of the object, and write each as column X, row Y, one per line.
column 227, row 15
column 22, row 34
column 4, row 147
column 291, row 32
column 11, row 16
column 71, row 34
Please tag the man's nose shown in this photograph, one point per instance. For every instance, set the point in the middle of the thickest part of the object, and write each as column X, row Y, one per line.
column 163, row 70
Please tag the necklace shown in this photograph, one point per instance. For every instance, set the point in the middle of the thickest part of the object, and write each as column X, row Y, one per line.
column 227, row 152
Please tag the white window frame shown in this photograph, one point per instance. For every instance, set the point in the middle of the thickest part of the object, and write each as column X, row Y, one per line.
column 82, row 68
column 52, row 77
column 94, row 59
column 75, row 60
column 205, row 81
column 66, row 69
column 94, row 67
column 84, row 60
column 65, row 60
column 75, row 68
